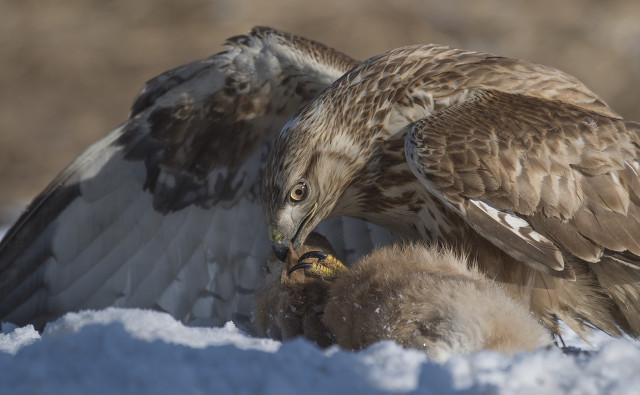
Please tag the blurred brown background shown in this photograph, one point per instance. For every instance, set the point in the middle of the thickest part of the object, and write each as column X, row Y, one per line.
column 69, row 69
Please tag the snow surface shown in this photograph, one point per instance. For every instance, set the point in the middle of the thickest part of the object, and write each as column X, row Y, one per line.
column 129, row 351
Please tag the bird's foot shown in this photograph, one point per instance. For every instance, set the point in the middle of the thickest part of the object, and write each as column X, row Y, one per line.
column 320, row 265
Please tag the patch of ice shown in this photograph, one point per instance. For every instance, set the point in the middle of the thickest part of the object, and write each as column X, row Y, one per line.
column 134, row 351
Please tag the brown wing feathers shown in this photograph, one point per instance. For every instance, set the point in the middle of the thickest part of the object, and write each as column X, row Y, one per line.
column 569, row 173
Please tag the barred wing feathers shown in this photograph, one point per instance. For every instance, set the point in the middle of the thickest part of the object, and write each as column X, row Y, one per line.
column 165, row 211
column 554, row 185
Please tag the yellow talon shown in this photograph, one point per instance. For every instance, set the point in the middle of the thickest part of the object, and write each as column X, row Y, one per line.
column 321, row 265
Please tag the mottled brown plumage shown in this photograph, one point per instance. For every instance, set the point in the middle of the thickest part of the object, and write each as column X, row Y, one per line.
column 519, row 165
column 569, row 181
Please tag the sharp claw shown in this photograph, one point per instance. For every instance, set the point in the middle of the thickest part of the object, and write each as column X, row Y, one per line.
column 298, row 267
column 318, row 264
column 319, row 255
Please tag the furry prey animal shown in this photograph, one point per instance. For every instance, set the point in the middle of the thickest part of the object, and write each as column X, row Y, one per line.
column 288, row 306
column 421, row 297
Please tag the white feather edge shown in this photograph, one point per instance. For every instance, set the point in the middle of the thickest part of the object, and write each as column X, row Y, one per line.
column 523, row 230
column 512, row 221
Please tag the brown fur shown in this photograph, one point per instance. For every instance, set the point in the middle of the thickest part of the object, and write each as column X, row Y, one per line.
column 420, row 297
column 427, row 299
column 291, row 306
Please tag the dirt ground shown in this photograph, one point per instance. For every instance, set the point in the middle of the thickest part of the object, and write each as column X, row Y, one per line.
column 69, row 69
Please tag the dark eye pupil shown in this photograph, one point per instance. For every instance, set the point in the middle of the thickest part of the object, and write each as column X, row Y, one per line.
column 298, row 192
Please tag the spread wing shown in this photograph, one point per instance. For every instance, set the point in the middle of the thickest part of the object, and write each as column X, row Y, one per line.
column 164, row 212
column 542, row 179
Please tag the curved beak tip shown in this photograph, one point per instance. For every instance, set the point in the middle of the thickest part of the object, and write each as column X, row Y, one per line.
column 281, row 251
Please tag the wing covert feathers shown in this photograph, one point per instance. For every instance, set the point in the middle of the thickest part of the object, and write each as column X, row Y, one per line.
column 512, row 233
column 541, row 179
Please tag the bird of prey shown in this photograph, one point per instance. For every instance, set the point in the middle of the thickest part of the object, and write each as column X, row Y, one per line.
column 421, row 297
column 164, row 212
column 516, row 164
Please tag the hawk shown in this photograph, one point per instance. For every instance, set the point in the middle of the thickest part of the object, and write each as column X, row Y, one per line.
column 518, row 165
column 165, row 211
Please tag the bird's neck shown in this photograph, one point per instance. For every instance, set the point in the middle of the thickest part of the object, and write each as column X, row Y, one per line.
column 386, row 192
column 371, row 129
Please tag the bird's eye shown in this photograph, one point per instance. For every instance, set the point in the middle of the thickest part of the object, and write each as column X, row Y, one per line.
column 299, row 192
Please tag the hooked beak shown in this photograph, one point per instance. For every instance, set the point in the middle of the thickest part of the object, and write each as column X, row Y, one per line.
column 281, row 251
column 282, row 244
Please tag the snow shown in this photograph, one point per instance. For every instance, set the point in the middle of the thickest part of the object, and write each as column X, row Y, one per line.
column 129, row 351
column 594, row 341
column 12, row 339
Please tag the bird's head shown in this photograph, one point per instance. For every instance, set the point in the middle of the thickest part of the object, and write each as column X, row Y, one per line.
column 312, row 162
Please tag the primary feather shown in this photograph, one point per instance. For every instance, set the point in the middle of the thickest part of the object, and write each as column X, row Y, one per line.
column 165, row 212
